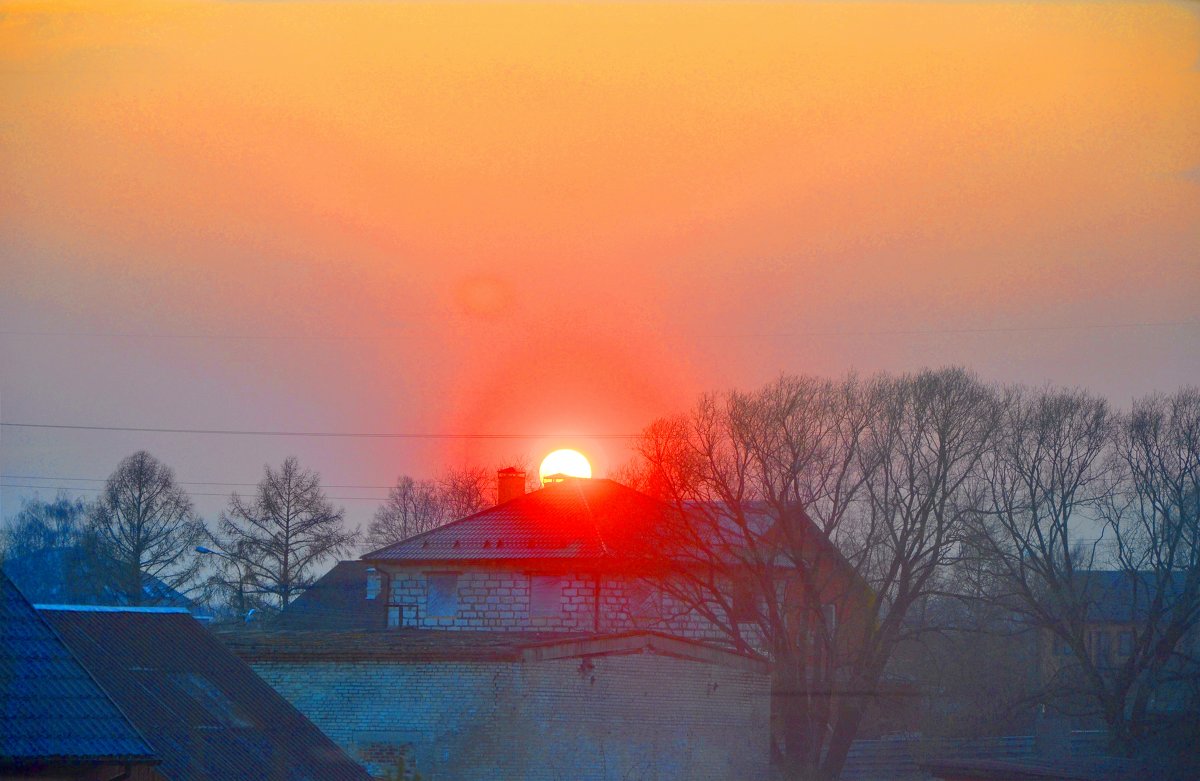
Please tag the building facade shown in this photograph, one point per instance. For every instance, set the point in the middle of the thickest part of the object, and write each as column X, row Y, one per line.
column 474, row 705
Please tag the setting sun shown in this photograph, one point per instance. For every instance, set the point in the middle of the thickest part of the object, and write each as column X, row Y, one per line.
column 567, row 462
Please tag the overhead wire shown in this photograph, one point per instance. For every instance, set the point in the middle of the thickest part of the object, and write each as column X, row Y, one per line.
column 321, row 434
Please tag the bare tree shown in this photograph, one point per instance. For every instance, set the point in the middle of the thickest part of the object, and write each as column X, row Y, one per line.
column 1040, row 530
column 1086, row 506
column 276, row 538
column 466, row 490
column 51, row 554
column 1156, row 523
column 145, row 523
column 809, row 495
column 412, row 507
column 416, row 506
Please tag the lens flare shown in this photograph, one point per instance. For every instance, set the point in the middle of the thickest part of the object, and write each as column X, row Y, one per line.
column 566, row 462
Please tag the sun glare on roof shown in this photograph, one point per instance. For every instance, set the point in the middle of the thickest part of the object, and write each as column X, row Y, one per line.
column 570, row 463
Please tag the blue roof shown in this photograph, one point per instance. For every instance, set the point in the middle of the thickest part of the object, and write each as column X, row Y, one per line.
column 1121, row 597
column 205, row 712
column 52, row 709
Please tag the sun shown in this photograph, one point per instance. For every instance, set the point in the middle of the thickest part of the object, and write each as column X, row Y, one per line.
column 567, row 462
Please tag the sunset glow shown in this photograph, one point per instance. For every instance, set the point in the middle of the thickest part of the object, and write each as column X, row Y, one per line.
column 567, row 462
column 480, row 218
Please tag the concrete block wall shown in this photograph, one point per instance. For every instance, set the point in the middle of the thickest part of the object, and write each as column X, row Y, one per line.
column 636, row 717
column 499, row 599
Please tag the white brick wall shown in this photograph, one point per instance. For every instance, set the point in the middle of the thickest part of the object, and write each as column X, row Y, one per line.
column 631, row 717
column 495, row 598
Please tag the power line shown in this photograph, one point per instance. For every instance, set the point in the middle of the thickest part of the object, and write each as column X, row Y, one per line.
column 190, row 493
column 180, row 482
column 407, row 333
column 230, row 337
column 951, row 331
column 325, row 434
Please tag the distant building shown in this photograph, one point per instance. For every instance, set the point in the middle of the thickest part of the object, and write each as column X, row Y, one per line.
column 566, row 558
column 1118, row 606
column 535, row 639
column 575, row 556
column 67, row 575
column 203, row 712
column 55, row 719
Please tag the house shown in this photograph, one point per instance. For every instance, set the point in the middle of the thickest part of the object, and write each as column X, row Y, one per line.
column 1117, row 607
column 529, row 637
column 339, row 600
column 536, row 638
column 579, row 555
column 203, row 712
column 56, row 721
column 570, row 557
column 68, row 575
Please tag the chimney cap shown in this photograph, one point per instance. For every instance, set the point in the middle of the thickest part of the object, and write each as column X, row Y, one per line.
column 510, row 470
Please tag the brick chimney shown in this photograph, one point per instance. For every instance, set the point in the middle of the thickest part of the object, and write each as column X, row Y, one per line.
column 510, row 483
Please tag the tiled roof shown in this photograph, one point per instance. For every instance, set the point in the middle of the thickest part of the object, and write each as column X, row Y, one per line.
column 337, row 601
column 574, row 519
column 203, row 710
column 1121, row 597
column 51, row 708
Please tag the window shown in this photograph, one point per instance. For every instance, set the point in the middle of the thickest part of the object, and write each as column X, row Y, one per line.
column 829, row 619
column 1125, row 644
column 545, row 596
column 1102, row 648
column 441, row 599
column 643, row 600
column 374, row 582
column 215, row 702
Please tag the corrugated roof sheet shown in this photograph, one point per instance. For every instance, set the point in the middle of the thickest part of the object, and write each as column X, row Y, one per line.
column 203, row 710
column 574, row 519
column 51, row 707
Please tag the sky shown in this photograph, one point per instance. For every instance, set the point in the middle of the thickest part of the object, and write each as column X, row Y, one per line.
column 566, row 219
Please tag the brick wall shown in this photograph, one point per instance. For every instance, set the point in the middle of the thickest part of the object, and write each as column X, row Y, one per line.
column 636, row 717
column 496, row 598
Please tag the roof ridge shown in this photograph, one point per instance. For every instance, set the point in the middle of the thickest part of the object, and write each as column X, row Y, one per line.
column 112, row 608
column 447, row 524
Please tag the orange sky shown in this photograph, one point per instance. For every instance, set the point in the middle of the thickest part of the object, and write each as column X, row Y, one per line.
column 572, row 217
